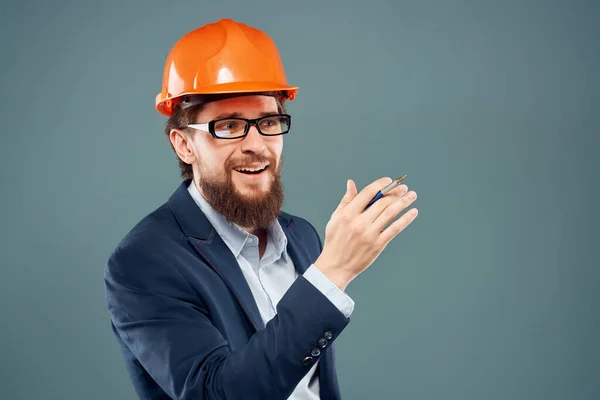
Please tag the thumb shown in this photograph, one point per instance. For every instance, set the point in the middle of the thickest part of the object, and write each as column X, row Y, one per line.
column 349, row 195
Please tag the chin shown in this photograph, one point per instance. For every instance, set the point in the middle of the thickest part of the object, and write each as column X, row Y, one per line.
column 253, row 191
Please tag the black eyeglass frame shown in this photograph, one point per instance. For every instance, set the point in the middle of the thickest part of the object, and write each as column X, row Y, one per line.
column 210, row 126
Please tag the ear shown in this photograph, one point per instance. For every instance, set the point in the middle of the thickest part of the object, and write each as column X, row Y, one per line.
column 182, row 144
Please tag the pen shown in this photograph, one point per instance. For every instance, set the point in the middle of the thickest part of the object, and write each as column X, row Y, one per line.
column 385, row 190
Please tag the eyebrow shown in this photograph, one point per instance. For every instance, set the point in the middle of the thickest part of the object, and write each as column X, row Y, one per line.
column 240, row 115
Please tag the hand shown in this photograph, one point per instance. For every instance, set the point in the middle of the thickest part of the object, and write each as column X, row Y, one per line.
column 354, row 238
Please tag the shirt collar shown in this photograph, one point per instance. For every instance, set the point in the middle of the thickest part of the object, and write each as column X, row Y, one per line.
column 234, row 236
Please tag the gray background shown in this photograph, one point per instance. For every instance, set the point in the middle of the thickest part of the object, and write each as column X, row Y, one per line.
column 490, row 107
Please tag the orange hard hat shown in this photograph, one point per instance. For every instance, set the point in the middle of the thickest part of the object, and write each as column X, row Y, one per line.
column 222, row 57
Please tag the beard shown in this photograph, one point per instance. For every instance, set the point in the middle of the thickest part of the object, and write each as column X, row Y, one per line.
column 257, row 210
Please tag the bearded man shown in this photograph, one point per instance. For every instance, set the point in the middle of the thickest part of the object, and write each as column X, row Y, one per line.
column 218, row 294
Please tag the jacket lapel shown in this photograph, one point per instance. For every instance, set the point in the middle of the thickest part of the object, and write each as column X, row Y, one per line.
column 296, row 251
column 216, row 253
column 213, row 250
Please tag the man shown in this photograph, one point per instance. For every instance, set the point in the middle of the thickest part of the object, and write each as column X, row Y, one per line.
column 218, row 294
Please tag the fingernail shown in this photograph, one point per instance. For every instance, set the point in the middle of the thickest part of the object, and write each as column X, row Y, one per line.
column 414, row 211
column 412, row 195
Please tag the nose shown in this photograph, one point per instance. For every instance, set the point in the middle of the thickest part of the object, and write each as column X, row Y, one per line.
column 253, row 142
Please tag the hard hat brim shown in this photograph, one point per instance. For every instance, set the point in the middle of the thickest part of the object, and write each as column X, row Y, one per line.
column 165, row 101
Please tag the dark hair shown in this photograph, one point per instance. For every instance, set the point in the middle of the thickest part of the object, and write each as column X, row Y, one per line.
column 181, row 118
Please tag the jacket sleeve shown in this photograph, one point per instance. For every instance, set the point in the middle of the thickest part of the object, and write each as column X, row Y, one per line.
column 165, row 325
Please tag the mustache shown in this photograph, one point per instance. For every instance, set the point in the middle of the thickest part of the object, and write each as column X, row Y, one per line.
column 256, row 158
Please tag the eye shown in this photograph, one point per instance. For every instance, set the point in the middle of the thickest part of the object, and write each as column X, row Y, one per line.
column 269, row 122
column 227, row 125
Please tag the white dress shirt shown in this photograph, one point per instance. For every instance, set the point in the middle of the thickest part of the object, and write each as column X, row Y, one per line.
column 270, row 277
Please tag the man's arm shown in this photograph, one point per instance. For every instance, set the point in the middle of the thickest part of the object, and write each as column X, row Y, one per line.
column 159, row 317
column 314, row 275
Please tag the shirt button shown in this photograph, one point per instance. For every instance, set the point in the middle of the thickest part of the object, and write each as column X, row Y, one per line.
column 307, row 360
column 322, row 343
column 315, row 352
column 328, row 335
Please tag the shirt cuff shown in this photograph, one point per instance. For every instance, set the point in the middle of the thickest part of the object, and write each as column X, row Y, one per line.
column 337, row 296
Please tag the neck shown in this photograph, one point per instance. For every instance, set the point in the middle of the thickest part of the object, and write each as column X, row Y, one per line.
column 261, row 234
column 258, row 232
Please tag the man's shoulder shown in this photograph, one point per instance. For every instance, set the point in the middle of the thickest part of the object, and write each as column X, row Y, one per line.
column 294, row 220
column 150, row 232
column 300, row 225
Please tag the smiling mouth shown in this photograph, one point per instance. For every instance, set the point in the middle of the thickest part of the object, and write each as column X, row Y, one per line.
column 252, row 171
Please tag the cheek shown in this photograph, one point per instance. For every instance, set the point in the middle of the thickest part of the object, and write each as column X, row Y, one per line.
column 213, row 158
column 219, row 164
column 276, row 148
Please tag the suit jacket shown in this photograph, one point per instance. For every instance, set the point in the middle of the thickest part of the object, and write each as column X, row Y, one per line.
column 186, row 321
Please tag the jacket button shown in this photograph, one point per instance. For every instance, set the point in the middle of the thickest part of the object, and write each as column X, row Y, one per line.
column 328, row 335
column 322, row 343
column 307, row 360
column 315, row 352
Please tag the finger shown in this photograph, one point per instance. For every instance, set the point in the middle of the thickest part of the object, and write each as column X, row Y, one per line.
column 398, row 191
column 391, row 212
column 349, row 195
column 398, row 226
column 393, row 196
column 361, row 200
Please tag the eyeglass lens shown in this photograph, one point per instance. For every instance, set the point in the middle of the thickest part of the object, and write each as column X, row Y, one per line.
column 235, row 127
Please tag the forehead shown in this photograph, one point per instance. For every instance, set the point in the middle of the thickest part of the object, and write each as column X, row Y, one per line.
column 247, row 106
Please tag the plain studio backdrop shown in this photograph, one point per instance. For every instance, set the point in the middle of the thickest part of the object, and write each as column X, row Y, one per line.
column 490, row 107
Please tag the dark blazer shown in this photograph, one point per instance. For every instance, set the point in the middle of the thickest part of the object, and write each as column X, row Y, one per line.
column 186, row 320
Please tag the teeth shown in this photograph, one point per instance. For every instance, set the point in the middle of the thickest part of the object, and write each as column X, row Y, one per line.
column 251, row 169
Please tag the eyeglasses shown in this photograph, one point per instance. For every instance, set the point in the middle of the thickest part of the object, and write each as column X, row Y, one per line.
column 235, row 128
